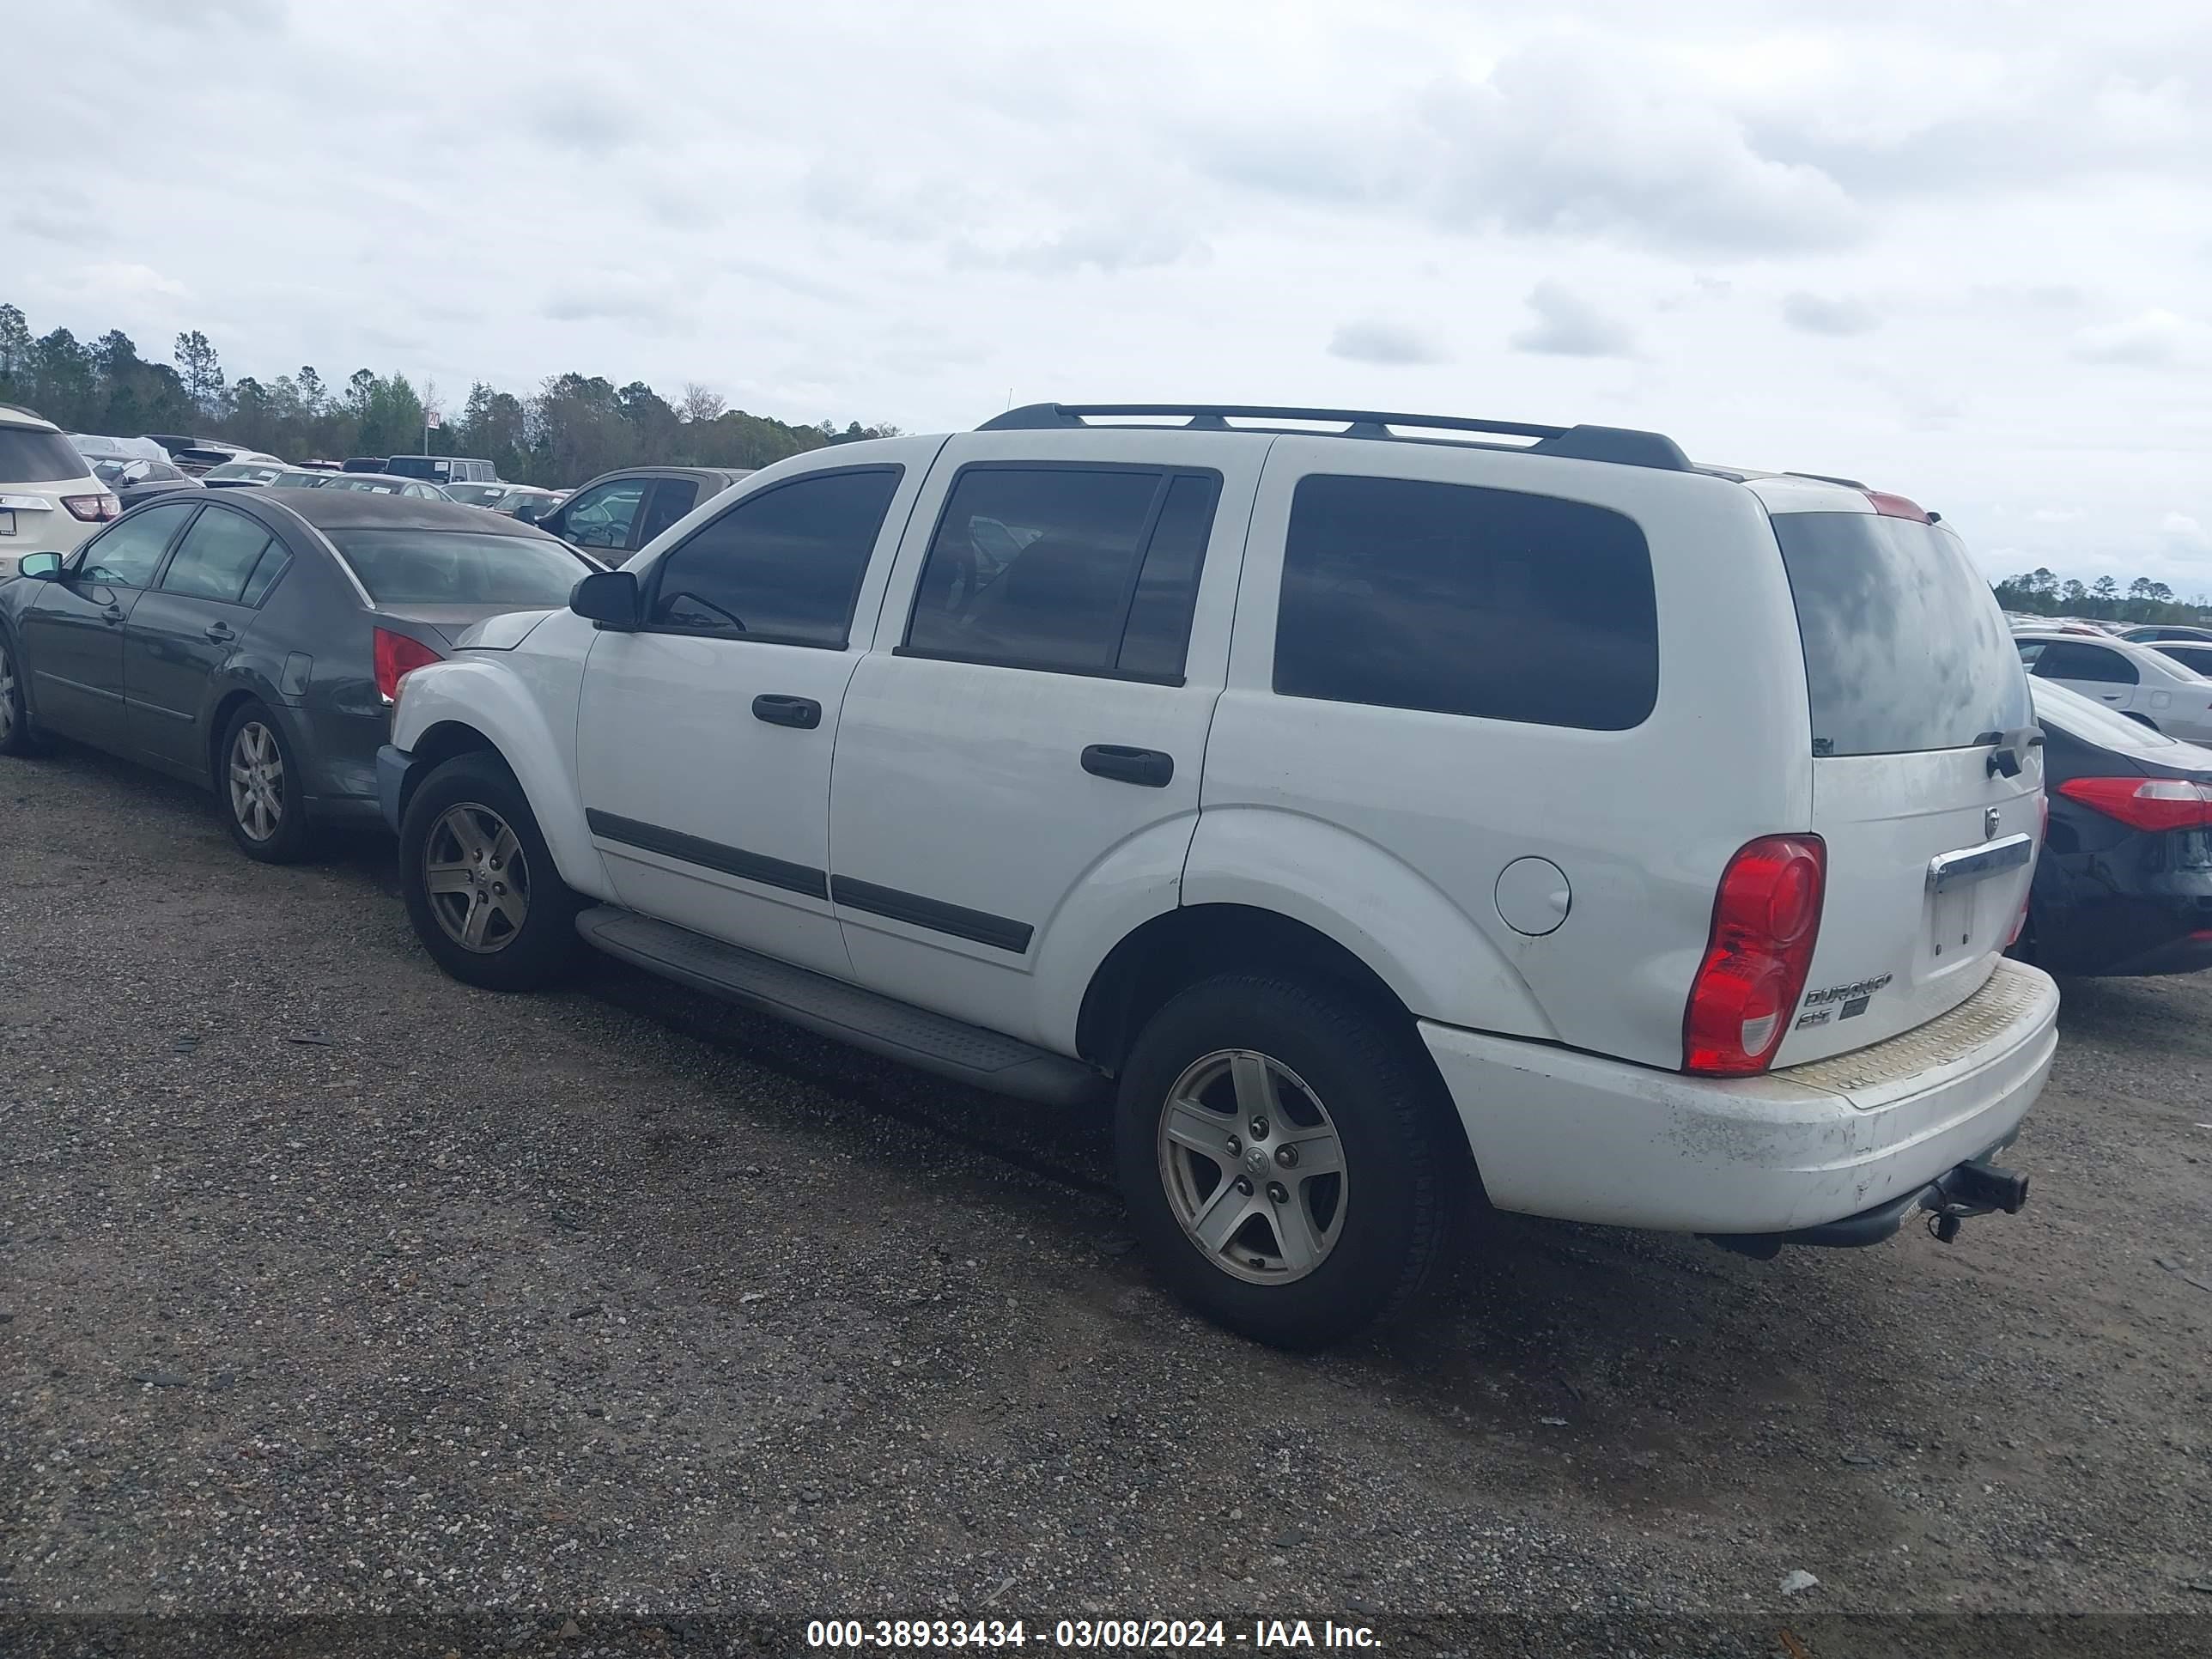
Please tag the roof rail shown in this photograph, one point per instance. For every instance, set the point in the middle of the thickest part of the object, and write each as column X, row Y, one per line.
column 1624, row 446
column 25, row 410
column 1827, row 477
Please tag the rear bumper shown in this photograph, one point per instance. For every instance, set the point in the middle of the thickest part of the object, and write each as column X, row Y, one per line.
column 393, row 766
column 1581, row 1137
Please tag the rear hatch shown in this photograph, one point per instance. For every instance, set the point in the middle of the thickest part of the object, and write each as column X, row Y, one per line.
column 49, row 500
column 1927, row 777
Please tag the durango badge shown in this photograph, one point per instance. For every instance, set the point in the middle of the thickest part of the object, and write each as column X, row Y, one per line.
column 1854, row 997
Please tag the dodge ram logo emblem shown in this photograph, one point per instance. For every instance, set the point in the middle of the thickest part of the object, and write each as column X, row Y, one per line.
column 1990, row 824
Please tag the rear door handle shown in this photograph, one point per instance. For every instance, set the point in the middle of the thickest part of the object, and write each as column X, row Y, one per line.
column 804, row 712
column 1147, row 767
column 220, row 633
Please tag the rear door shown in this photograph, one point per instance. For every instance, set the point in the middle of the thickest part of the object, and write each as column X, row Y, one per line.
column 2095, row 670
column 185, row 627
column 1925, row 788
column 1031, row 728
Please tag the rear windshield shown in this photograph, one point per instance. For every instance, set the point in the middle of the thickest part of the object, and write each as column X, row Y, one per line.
column 259, row 471
column 1905, row 649
column 475, row 494
column 29, row 456
column 414, row 467
column 448, row 566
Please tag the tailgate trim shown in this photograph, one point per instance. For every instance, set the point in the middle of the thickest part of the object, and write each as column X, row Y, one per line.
column 1949, row 870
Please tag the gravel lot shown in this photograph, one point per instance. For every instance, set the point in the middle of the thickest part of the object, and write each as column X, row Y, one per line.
column 328, row 1286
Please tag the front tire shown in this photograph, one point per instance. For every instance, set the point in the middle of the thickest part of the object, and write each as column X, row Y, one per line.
column 258, row 784
column 17, row 737
column 480, row 883
column 1288, row 1161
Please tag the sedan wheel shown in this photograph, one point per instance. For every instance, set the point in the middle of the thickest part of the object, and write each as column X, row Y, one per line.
column 7, row 696
column 256, row 781
column 1253, row 1167
column 476, row 877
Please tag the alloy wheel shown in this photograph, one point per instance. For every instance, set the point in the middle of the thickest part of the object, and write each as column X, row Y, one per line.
column 1253, row 1166
column 256, row 781
column 476, row 877
column 6, row 695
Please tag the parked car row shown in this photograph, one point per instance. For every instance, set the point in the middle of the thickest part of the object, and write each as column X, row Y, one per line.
column 1364, row 822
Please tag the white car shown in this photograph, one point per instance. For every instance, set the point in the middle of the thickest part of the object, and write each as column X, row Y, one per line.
column 1372, row 821
column 50, row 497
column 2139, row 680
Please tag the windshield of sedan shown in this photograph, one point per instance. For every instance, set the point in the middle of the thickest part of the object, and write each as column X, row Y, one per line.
column 255, row 472
column 449, row 567
column 475, row 494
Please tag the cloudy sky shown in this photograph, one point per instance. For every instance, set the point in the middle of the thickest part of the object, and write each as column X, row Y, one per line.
column 1959, row 251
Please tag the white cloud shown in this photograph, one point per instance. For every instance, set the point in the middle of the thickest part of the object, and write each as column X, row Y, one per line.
column 1568, row 326
column 1391, row 345
column 2150, row 339
column 1811, row 313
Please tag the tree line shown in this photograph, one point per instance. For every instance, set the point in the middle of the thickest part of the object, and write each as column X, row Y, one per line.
column 2040, row 592
column 573, row 427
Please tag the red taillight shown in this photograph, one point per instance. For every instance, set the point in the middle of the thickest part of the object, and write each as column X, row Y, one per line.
column 93, row 509
column 1897, row 507
column 1765, row 919
column 396, row 657
column 2153, row 804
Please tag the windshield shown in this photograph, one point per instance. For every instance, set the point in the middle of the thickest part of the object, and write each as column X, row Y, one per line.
column 259, row 471
column 459, row 567
column 30, row 456
column 1905, row 649
column 2092, row 722
column 475, row 494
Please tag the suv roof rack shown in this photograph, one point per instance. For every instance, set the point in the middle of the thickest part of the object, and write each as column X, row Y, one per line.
column 1624, row 446
column 29, row 414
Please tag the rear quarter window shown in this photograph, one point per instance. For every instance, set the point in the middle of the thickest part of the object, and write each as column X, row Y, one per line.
column 1905, row 650
column 1467, row 600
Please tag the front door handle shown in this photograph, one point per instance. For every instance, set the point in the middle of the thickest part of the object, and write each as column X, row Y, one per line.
column 220, row 633
column 112, row 614
column 1147, row 767
column 804, row 712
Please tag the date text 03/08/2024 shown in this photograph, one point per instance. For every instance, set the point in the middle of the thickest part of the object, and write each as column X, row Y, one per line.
column 1086, row 1633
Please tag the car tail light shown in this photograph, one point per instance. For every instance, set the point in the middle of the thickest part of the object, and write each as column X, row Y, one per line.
column 1897, row 507
column 1766, row 916
column 396, row 657
column 2153, row 804
column 94, row 509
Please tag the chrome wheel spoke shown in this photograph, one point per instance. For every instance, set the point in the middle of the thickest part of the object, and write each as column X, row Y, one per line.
column 479, row 918
column 447, row 878
column 1191, row 1125
column 508, row 908
column 1225, row 1212
column 1255, row 1086
column 504, row 846
column 1296, row 1241
column 1317, row 1152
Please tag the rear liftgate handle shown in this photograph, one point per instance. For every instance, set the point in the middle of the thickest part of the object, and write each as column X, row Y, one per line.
column 1146, row 767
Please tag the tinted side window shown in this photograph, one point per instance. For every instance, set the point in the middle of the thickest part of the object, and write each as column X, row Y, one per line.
column 2063, row 660
column 602, row 517
column 671, row 499
column 1467, row 601
column 782, row 566
column 216, row 555
column 128, row 555
column 1042, row 567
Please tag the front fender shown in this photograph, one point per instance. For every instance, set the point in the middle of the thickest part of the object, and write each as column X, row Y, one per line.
column 489, row 694
column 1402, row 925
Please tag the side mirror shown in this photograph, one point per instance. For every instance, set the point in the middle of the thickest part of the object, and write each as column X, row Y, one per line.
column 40, row 567
column 609, row 598
column 528, row 511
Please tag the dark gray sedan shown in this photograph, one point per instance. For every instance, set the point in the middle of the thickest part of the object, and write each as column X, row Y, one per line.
column 252, row 640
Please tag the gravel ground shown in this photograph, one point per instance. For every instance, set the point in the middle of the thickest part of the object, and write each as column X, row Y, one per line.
column 329, row 1287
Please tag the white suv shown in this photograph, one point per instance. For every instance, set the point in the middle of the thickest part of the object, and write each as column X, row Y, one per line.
column 1375, row 813
column 50, row 498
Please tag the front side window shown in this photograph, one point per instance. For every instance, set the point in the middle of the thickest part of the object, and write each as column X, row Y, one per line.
column 671, row 499
column 601, row 517
column 128, row 555
column 216, row 556
column 1085, row 570
column 1464, row 600
column 783, row 565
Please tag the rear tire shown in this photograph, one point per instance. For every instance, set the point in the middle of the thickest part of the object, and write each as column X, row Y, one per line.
column 480, row 883
column 1289, row 1161
column 259, row 788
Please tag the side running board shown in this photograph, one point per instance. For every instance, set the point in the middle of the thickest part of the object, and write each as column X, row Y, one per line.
column 948, row 1047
